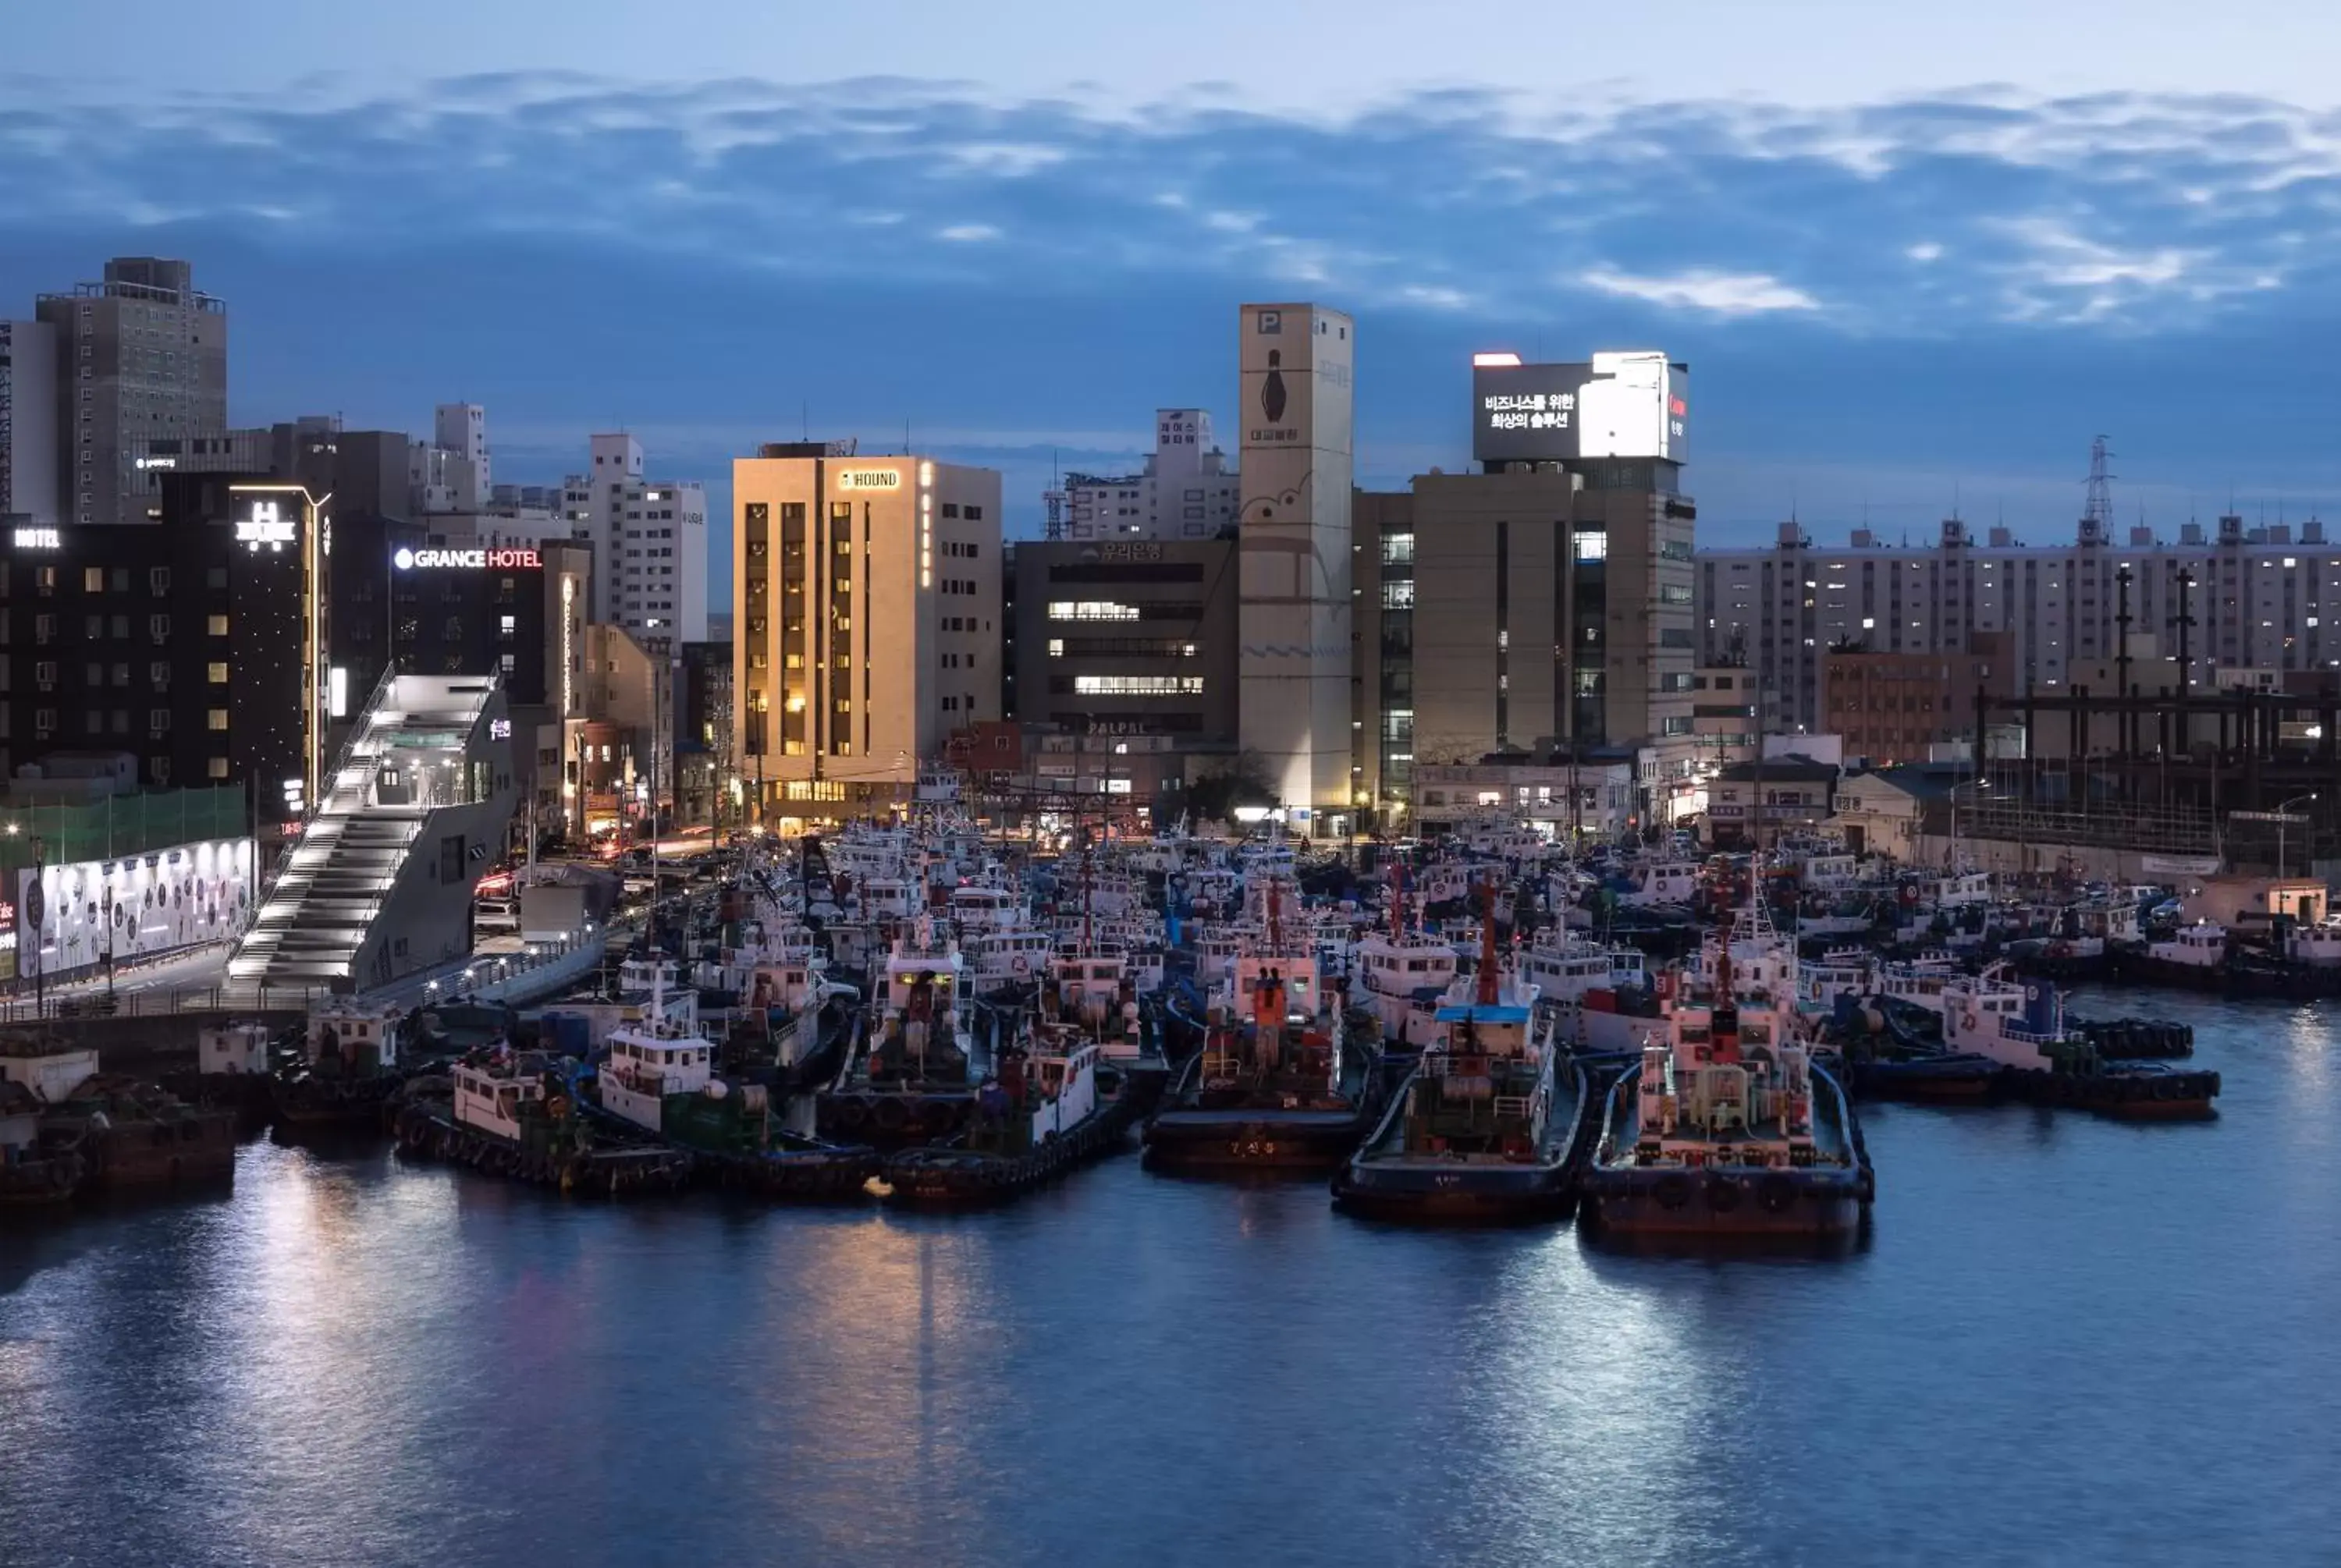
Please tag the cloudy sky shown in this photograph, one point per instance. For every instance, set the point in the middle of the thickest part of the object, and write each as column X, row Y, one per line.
column 1914, row 262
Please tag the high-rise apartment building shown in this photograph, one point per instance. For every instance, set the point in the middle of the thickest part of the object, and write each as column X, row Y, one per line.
column 28, row 421
column 140, row 355
column 1293, row 597
column 865, row 621
column 649, row 544
column 449, row 472
column 1186, row 491
column 2248, row 598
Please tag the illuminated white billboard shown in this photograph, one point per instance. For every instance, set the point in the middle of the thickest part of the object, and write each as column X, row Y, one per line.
column 150, row 903
column 1629, row 404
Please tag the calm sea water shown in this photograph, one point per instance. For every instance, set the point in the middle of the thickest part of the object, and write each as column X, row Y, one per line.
column 2068, row 1341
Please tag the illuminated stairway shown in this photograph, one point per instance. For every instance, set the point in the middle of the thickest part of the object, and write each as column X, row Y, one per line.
column 406, row 762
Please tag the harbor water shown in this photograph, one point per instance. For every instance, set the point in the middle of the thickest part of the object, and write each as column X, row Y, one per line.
column 2066, row 1340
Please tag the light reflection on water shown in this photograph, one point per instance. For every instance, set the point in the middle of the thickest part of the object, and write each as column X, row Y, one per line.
column 2068, row 1341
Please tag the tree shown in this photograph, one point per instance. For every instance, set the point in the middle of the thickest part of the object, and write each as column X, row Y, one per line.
column 1215, row 796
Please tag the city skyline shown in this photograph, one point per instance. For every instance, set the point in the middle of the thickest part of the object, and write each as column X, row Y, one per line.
column 1904, row 299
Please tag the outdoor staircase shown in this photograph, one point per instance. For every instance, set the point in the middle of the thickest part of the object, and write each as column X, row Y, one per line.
column 314, row 915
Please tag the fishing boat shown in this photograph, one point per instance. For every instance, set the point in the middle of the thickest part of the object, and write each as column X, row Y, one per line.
column 1037, row 1114
column 1486, row 1126
column 1919, row 981
column 1276, row 1084
column 913, row 1079
column 1400, row 975
column 37, row 1169
column 1600, row 991
column 510, row 1113
column 1006, row 962
column 662, row 1082
column 234, row 1069
column 2021, row 1026
column 2195, row 956
column 348, row 1070
column 1727, row 1129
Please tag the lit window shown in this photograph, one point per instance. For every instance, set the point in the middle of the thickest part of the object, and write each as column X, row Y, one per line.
column 1138, row 684
column 217, row 719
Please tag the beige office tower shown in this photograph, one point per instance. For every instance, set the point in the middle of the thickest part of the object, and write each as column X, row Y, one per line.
column 1294, row 610
column 865, row 608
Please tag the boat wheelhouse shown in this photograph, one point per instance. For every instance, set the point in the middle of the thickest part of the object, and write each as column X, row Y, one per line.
column 1967, row 887
column 976, row 909
column 1000, row 959
column 646, row 1066
column 1401, row 977
column 1663, row 882
column 494, row 1090
column 2202, row 945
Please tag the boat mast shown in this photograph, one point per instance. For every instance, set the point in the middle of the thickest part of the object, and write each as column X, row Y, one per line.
column 1487, row 976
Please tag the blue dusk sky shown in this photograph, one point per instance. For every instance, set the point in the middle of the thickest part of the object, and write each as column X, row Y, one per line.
column 1917, row 256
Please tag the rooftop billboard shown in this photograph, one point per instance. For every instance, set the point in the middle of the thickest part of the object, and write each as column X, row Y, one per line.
column 1632, row 404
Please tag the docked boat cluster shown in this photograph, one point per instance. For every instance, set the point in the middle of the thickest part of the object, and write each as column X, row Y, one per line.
column 1490, row 1028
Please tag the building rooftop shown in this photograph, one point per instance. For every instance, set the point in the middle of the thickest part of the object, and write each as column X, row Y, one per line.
column 1796, row 768
column 1925, row 781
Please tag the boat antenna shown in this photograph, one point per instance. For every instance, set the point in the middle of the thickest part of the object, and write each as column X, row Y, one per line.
column 1397, row 903
column 1487, row 976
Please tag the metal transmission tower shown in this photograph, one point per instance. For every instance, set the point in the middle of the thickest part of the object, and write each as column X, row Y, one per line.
column 2098, row 516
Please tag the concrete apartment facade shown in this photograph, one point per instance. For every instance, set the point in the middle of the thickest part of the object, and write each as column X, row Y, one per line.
column 141, row 354
column 1186, row 491
column 649, row 544
column 28, row 422
column 2263, row 597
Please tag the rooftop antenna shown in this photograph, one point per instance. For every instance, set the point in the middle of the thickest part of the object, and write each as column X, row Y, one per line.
column 1954, row 501
column 804, row 419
